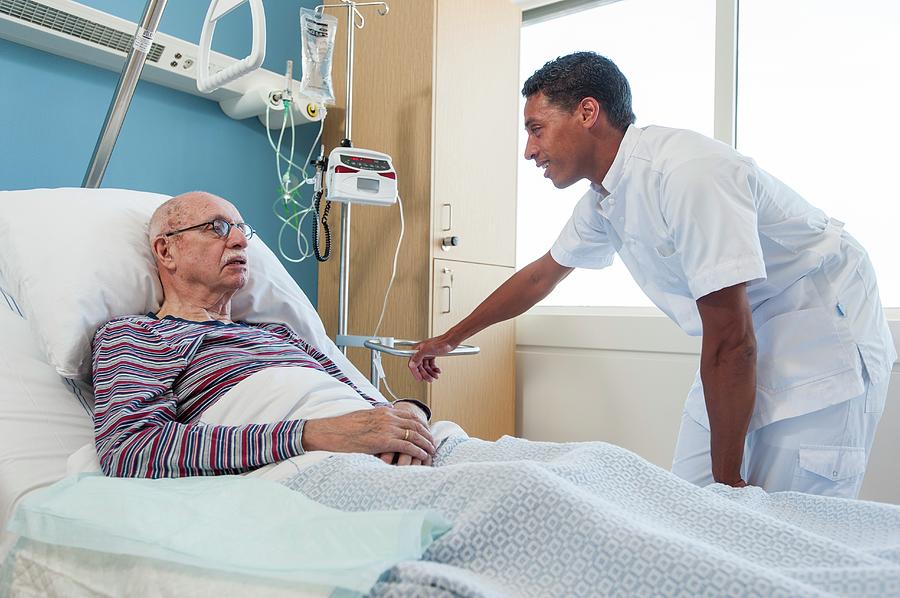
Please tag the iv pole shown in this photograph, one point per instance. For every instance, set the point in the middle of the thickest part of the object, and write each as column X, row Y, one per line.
column 344, row 285
column 377, row 345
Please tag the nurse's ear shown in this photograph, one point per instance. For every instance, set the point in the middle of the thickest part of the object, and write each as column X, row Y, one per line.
column 589, row 113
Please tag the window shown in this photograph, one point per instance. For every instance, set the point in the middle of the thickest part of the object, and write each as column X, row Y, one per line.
column 817, row 106
column 667, row 51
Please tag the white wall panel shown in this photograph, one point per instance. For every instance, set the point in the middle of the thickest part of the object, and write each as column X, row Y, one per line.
column 627, row 398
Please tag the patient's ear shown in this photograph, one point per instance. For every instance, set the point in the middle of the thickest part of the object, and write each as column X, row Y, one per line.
column 162, row 253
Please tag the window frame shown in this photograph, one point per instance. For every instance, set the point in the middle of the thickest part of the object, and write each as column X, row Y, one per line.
column 536, row 325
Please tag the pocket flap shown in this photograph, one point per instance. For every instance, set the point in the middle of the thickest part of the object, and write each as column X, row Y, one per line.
column 833, row 462
column 800, row 347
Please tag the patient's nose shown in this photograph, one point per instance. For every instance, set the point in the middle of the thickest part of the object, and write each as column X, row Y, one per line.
column 236, row 238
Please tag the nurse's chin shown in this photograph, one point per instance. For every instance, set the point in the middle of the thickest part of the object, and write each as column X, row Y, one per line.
column 563, row 183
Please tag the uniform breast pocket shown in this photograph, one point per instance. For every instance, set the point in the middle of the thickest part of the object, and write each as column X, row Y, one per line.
column 797, row 348
column 666, row 249
column 667, row 268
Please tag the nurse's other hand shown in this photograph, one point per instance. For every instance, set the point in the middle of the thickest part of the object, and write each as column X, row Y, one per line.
column 422, row 364
column 739, row 483
column 401, row 459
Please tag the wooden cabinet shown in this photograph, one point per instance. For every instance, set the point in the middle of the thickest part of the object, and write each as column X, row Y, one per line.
column 476, row 116
column 436, row 87
column 479, row 391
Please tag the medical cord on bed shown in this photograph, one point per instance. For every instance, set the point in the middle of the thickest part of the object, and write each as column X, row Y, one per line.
column 387, row 291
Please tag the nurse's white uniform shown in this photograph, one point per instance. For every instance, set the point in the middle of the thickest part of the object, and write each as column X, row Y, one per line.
column 689, row 216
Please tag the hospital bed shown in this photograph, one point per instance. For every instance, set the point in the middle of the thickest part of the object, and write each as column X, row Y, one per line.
column 46, row 429
column 580, row 519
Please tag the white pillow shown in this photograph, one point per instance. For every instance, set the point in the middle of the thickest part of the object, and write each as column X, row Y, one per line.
column 7, row 299
column 75, row 258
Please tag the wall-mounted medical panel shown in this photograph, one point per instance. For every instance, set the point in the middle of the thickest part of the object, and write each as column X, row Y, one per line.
column 88, row 35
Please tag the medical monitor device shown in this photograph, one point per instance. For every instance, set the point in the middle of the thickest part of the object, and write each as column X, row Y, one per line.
column 357, row 175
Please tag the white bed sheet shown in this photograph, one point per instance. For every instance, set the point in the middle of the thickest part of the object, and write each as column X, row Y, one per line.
column 42, row 422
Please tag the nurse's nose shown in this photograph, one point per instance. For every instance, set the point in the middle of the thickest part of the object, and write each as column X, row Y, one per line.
column 530, row 151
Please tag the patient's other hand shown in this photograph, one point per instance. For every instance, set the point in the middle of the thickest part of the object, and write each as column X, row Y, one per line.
column 422, row 364
column 400, row 458
column 371, row 431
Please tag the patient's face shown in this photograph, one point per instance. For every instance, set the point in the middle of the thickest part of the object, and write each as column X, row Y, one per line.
column 204, row 259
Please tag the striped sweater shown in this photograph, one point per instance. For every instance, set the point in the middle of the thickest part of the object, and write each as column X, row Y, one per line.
column 153, row 379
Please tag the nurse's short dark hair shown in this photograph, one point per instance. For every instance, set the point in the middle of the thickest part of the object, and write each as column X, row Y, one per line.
column 567, row 80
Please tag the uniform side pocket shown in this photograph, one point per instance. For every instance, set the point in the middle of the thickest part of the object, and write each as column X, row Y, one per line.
column 830, row 470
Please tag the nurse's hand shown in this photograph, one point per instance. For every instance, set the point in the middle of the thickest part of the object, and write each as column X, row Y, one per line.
column 422, row 364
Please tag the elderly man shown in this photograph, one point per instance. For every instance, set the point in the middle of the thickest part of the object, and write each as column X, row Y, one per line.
column 156, row 374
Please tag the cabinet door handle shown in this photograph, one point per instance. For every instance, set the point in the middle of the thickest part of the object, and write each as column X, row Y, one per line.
column 446, row 297
column 446, row 292
column 446, row 217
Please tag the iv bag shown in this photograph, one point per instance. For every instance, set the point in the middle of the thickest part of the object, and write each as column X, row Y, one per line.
column 317, row 34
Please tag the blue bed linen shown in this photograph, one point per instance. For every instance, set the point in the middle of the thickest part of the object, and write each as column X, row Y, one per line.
column 538, row 519
column 227, row 523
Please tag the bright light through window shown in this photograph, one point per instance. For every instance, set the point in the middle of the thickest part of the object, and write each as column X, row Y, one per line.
column 667, row 51
column 819, row 107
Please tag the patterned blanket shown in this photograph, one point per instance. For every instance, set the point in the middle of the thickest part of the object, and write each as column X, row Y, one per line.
column 592, row 519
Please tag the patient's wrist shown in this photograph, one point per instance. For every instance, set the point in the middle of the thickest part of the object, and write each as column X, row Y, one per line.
column 307, row 437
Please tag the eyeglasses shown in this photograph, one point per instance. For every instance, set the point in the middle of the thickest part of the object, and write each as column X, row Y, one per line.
column 222, row 228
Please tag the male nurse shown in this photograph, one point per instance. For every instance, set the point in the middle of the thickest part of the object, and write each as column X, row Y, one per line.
column 796, row 352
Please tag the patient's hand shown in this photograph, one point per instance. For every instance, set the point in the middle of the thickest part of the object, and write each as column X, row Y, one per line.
column 422, row 364
column 400, row 458
column 371, row 431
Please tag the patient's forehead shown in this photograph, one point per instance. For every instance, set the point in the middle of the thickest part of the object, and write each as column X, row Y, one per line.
column 208, row 207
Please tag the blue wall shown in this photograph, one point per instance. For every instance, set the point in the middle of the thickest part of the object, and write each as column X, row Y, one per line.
column 52, row 109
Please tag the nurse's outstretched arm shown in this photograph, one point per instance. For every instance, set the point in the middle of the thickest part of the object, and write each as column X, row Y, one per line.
column 514, row 297
column 728, row 373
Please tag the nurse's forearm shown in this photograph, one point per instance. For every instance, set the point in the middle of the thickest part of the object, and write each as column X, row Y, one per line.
column 729, row 386
column 514, row 297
